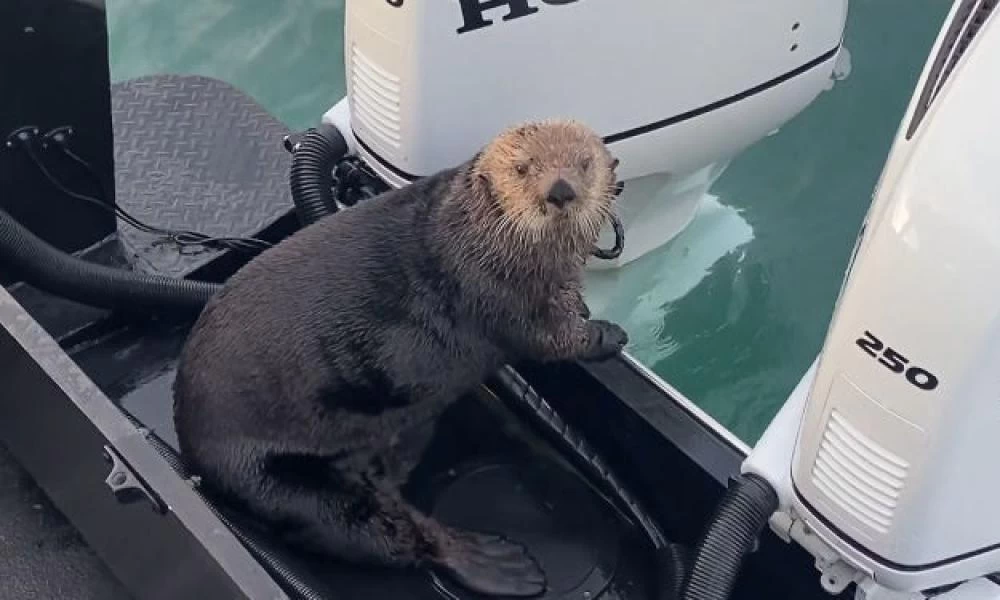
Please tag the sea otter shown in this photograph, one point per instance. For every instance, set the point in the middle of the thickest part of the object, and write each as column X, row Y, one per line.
column 309, row 386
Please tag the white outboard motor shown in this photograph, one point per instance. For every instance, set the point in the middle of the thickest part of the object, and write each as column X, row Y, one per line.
column 885, row 457
column 676, row 88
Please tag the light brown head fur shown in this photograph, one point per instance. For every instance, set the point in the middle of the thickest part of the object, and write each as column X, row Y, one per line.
column 554, row 180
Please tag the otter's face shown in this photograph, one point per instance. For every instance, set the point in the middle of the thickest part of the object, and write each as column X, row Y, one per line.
column 551, row 177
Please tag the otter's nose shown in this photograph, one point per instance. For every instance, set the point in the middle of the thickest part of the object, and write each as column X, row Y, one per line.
column 561, row 193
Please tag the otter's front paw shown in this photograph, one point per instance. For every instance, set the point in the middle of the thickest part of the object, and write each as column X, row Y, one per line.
column 606, row 340
column 492, row 565
column 572, row 300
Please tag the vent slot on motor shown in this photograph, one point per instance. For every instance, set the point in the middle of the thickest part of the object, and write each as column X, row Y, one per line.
column 376, row 102
column 859, row 475
column 969, row 19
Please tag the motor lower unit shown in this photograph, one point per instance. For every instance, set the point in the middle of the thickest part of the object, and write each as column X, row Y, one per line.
column 675, row 88
column 891, row 479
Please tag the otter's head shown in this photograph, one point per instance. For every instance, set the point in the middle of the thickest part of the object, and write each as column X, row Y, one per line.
column 551, row 179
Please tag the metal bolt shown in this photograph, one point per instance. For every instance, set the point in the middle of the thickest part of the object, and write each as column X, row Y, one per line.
column 118, row 478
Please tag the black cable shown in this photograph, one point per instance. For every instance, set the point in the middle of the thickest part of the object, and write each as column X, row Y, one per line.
column 182, row 238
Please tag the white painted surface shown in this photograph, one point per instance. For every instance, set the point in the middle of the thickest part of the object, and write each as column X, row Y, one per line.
column 910, row 474
column 424, row 97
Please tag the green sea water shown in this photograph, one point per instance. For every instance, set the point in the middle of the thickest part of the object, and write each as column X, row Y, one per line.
column 733, row 310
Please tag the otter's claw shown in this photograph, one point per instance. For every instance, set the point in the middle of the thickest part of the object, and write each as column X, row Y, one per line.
column 608, row 339
column 579, row 306
column 494, row 566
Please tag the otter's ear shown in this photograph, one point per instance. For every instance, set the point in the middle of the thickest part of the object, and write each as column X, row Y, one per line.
column 527, row 129
column 477, row 172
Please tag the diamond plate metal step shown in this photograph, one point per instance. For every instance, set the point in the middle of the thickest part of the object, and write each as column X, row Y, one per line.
column 194, row 153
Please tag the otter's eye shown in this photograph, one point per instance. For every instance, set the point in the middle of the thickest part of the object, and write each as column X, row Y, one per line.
column 522, row 169
column 585, row 165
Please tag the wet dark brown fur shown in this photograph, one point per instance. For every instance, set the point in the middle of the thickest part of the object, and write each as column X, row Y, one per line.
column 311, row 384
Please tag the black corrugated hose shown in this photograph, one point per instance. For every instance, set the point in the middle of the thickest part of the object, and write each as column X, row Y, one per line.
column 311, row 177
column 41, row 265
column 731, row 535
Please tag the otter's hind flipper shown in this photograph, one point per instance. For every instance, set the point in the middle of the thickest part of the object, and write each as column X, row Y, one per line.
column 491, row 565
column 313, row 506
column 362, row 520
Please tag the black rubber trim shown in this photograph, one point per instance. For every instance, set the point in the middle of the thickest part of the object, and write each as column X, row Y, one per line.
column 385, row 163
column 707, row 448
column 644, row 129
column 872, row 555
column 931, row 83
column 697, row 112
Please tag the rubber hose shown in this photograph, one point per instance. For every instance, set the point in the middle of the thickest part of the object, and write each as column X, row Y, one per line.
column 311, row 177
column 47, row 268
column 731, row 535
column 274, row 565
column 522, row 398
